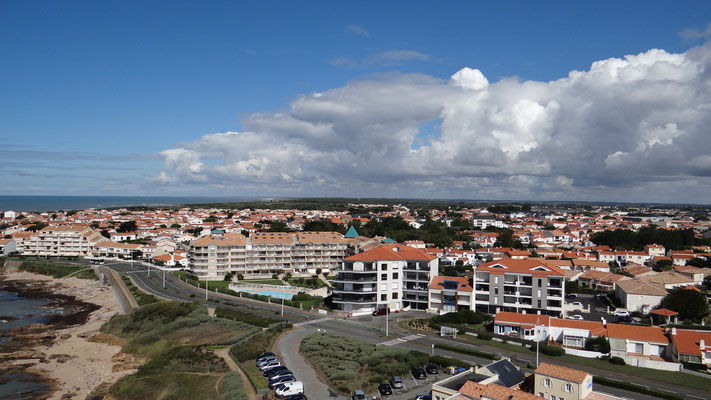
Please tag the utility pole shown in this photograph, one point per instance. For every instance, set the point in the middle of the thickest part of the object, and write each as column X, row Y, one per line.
column 163, row 279
column 205, row 289
column 282, row 306
column 387, row 325
column 538, row 341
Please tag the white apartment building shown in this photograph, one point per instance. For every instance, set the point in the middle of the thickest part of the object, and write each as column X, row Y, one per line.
column 520, row 286
column 266, row 253
column 392, row 276
column 63, row 241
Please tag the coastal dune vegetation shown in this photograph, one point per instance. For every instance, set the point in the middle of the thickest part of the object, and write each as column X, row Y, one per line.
column 177, row 340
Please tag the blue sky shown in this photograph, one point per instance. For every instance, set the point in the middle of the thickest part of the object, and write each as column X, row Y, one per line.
column 94, row 93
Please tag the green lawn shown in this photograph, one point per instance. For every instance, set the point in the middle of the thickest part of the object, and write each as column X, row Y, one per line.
column 167, row 386
column 255, row 375
column 57, row 270
column 276, row 282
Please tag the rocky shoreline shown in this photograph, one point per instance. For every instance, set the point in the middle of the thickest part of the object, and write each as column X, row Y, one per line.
column 68, row 352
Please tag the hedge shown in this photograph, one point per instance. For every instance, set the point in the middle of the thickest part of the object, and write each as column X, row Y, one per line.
column 636, row 388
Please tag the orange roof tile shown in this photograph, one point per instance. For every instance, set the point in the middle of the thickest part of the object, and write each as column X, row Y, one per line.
column 392, row 252
column 464, row 285
column 636, row 332
column 526, row 266
column 687, row 342
column 557, row 371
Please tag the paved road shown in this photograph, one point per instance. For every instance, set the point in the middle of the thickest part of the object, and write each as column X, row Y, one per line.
column 365, row 328
column 288, row 349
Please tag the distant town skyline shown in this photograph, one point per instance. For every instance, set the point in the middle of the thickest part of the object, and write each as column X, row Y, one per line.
column 557, row 101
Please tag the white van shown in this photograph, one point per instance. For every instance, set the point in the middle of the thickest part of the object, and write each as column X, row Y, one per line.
column 289, row 389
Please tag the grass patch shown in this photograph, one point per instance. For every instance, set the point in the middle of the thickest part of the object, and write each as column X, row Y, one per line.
column 275, row 282
column 232, row 388
column 471, row 352
column 349, row 364
column 168, row 386
column 244, row 317
column 141, row 298
column 57, row 270
column 312, row 283
column 255, row 375
column 636, row 388
column 247, row 349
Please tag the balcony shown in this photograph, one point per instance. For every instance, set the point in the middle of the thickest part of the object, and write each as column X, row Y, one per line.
column 345, row 298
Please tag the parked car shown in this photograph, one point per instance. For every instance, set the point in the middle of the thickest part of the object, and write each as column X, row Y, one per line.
column 578, row 317
column 296, row 397
column 269, row 366
column 265, row 355
column 281, row 380
column 289, row 389
column 423, row 397
column 279, row 373
column 577, row 304
column 419, row 373
column 571, row 296
column 396, row 382
column 266, row 360
column 273, row 371
column 621, row 313
column 381, row 311
column 385, row 389
column 432, row 369
column 358, row 395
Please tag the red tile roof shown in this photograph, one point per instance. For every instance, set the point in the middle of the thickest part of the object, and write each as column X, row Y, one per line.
column 526, row 266
column 464, row 285
column 636, row 332
column 557, row 371
column 687, row 342
column 392, row 252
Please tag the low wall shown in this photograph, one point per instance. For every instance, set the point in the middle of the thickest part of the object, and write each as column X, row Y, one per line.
column 582, row 353
column 124, row 297
column 645, row 363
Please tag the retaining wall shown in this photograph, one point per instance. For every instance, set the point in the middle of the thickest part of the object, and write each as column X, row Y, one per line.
column 124, row 297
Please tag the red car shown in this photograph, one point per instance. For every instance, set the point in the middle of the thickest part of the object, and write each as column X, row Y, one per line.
column 381, row 311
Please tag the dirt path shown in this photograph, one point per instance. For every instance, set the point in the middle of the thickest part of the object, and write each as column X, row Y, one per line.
column 248, row 388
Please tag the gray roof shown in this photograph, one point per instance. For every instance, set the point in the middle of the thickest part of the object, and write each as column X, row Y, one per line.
column 508, row 374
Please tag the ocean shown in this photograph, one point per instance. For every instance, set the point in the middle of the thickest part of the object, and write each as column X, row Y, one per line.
column 17, row 311
column 55, row 203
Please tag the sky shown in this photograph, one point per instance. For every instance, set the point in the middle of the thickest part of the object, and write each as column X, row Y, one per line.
column 510, row 100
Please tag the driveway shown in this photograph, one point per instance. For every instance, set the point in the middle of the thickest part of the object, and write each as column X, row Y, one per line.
column 288, row 349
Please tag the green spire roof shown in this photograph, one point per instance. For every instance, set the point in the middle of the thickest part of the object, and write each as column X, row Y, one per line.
column 352, row 233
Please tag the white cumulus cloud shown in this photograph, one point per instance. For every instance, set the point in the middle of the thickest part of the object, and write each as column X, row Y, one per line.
column 632, row 128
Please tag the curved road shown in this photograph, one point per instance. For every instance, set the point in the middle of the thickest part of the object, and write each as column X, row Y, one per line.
column 370, row 329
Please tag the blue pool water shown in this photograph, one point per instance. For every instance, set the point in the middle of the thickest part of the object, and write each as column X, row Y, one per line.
column 285, row 296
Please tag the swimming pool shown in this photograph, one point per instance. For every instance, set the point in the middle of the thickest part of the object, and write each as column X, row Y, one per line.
column 278, row 295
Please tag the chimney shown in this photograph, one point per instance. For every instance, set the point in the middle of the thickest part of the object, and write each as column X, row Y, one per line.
column 604, row 321
column 673, row 331
column 396, row 249
column 702, row 344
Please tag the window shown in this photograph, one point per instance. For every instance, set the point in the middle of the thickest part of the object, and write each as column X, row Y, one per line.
column 394, row 296
column 547, row 382
column 394, row 275
column 568, row 388
column 384, row 267
column 384, row 287
column 395, row 286
column 539, row 304
column 383, row 277
column 383, row 297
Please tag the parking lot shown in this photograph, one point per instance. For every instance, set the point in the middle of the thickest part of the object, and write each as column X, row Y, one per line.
column 412, row 388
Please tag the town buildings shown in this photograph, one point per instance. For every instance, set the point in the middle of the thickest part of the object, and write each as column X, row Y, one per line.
column 74, row 241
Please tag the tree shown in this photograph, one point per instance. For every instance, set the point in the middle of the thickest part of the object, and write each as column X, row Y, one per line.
column 663, row 265
column 105, row 234
column 690, row 304
column 599, row 344
column 175, row 226
column 36, row 227
column 228, row 276
column 128, row 226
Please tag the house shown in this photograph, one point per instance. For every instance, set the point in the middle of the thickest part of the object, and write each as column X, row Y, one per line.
column 7, row 246
column 655, row 250
column 639, row 295
column 518, row 286
column 583, row 264
column 450, row 294
column 569, row 333
column 689, row 346
column 557, row 383
column 392, row 275
column 487, row 382
column 638, row 342
column 599, row 280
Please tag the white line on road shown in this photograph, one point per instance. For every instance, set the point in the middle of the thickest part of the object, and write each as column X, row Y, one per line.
column 314, row 321
column 402, row 340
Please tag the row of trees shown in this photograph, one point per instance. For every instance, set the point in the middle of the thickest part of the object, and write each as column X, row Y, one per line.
column 623, row 239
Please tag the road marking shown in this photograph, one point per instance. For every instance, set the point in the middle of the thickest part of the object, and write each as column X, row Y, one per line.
column 313, row 321
column 402, row 340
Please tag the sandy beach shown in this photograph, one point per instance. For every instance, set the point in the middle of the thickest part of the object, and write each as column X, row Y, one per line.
column 80, row 358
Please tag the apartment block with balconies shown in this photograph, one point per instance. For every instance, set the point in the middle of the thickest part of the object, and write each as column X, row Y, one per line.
column 392, row 276
column 521, row 286
column 76, row 241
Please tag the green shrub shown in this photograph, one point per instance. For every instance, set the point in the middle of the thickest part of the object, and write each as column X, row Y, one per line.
column 617, row 361
column 599, row 344
column 232, row 388
column 463, row 350
column 549, row 350
column 484, row 335
column 444, row 362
